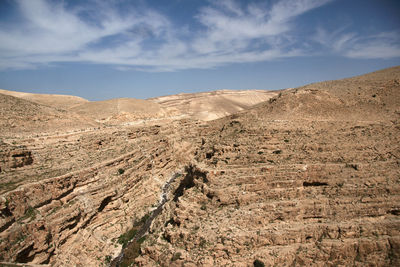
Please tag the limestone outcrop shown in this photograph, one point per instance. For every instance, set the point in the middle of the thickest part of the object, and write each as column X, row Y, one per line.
column 309, row 177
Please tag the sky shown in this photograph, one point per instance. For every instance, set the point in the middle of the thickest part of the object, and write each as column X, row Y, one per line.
column 136, row 48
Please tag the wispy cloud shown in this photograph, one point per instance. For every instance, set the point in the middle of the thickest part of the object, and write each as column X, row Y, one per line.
column 230, row 28
column 383, row 45
column 49, row 32
column 143, row 39
column 350, row 44
column 230, row 33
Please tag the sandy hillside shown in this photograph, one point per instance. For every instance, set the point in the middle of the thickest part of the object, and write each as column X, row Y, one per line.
column 57, row 101
column 119, row 110
column 374, row 96
column 212, row 105
column 198, row 106
column 20, row 116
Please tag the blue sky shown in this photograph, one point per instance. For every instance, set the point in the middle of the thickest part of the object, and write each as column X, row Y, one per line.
column 127, row 48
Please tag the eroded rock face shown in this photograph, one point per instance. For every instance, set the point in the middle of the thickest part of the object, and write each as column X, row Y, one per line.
column 77, row 217
column 328, row 198
column 317, row 190
column 14, row 157
column 265, row 186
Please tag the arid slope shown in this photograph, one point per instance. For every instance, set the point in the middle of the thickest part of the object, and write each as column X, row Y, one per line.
column 19, row 116
column 374, row 96
column 212, row 105
column 119, row 110
column 309, row 177
column 56, row 101
column 199, row 106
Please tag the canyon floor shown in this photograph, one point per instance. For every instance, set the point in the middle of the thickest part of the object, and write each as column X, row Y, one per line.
column 302, row 176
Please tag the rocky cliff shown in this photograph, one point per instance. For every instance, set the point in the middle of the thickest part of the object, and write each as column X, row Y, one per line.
column 310, row 177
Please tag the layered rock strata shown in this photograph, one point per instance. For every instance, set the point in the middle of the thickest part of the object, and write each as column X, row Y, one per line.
column 310, row 177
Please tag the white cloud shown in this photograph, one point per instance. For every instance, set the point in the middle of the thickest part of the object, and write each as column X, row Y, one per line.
column 143, row 39
column 349, row 44
column 385, row 45
column 374, row 50
column 50, row 29
column 227, row 28
column 51, row 33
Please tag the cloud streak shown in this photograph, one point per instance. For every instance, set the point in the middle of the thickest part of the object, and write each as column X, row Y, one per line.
column 144, row 39
column 350, row 44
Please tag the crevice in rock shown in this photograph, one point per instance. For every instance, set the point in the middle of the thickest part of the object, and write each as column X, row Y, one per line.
column 75, row 221
column 47, row 261
column 23, row 255
column 22, row 159
column 86, row 223
column 132, row 248
column 172, row 222
column 209, row 155
column 6, row 212
column 41, row 204
column 312, row 217
column 66, row 193
column 104, row 203
column 7, row 225
column 192, row 173
column 394, row 212
column 315, row 183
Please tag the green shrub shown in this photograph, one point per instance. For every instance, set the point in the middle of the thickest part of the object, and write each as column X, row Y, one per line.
column 29, row 213
column 176, row 256
column 125, row 238
column 108, row 259
column 258, row 263
column 121, row 171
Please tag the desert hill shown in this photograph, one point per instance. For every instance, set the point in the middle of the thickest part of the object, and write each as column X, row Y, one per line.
column 197, row 106
column 374, row 96
column 119, row 110
column 20, row 116
column 309, row 177
column 212, row 105
column 56, row 101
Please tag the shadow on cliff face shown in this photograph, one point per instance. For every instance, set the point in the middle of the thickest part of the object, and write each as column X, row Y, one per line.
column 192, row 173
column 133, row 239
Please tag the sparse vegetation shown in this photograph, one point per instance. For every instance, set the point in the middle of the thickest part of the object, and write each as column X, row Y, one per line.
column 121, row 171
column 30, row 214
column 130, row 234
column 54, row 210
column 203, row 242
column 176, row 256
column 132, row 252
column 126, row 237
column 20, row 238
column 9, row 185
column 107, row 259
column 258, row 263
